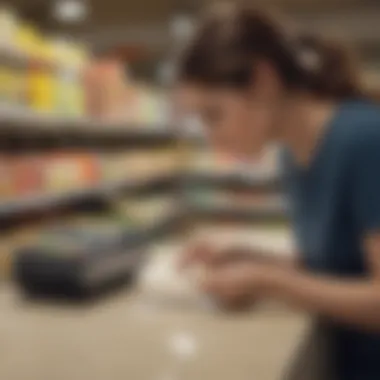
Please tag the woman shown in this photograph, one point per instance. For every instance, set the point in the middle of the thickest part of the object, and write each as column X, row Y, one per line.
column 254, row 82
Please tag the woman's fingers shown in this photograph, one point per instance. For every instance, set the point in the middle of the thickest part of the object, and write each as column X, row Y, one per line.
column 199, row 253
column 216, row 282
column 230, row 294
column 208, row 255
column 236, row 278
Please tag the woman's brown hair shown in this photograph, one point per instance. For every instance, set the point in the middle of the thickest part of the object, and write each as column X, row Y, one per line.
column 232, row 38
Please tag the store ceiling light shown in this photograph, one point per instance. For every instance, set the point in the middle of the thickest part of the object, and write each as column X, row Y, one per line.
column 70, row 11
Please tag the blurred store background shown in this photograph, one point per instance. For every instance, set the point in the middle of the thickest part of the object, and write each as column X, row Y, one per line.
column 99, row 184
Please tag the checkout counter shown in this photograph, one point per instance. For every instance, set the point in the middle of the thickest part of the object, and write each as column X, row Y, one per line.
column 128, row 336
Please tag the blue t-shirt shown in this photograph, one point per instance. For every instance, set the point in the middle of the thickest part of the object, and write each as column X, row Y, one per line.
column 334, row 203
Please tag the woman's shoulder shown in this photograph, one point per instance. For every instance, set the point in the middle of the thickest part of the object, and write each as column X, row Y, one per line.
column 357, row 113
column 358, row 139
column 359, row 126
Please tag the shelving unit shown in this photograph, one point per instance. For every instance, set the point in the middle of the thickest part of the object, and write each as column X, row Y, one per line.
column 37, row 130
column 40, row 203
column 259, row 214
column 236, row 194
column 99, row 263
column 23, row 132
column 242, row 181
column 62, row 132
column 20, row 127
column 39, row 127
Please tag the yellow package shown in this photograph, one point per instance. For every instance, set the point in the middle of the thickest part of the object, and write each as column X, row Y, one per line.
column 42, row 79
column 41, row 86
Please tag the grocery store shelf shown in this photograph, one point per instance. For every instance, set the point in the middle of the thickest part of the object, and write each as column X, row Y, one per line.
column 20, row 125
column 13, row 58
column 259, row 213
column 141, row 187
column 171, row 224
column 242, row 181
column 40, row 203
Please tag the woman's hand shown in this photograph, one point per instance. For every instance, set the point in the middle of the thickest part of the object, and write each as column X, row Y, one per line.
column 206, row 254
column 238, row 282
column 235, row 277
column 214, row 264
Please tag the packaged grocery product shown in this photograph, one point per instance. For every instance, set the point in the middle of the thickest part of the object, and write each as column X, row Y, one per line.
column 146, row 212
column 7, row 92
column 138, row 165
column 89, row 167
column 137, row 107
column 70, row 59
column 20, row 88
column 5, row 178
column 80, row 59
column 210, row 162
column 70, row 171
column 43, row 99
column 105, row 89
column 26, row 175
column 254, row 201
column 39, row 72
column 27, row 38
column 167, row 161
column 40, row 79
column 219, row 163
column 113, row 167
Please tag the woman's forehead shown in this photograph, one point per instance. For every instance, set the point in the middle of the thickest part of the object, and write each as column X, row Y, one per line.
column 195, row 97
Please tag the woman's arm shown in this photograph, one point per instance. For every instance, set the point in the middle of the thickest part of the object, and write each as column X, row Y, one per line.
column 348, row 301
column 352, row 302
column 208, row 255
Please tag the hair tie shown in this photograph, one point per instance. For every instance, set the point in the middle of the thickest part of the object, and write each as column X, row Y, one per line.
column 309, row 58
column 305, row 50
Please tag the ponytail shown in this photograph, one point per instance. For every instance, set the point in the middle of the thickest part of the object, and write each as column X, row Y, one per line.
column 331, row 72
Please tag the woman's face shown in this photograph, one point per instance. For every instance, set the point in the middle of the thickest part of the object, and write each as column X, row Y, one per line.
column 240, row 123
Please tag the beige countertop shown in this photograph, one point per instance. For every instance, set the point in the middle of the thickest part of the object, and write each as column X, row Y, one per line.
column 129, row 337
column 123, row 337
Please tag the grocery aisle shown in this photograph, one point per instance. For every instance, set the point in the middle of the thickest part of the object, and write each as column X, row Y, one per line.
column 97, row 183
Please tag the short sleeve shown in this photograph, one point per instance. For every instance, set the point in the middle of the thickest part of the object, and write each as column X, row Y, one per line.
column 366, row 182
